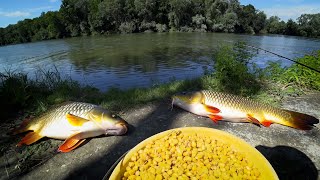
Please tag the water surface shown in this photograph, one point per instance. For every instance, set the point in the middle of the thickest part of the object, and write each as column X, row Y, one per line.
column 141, row 60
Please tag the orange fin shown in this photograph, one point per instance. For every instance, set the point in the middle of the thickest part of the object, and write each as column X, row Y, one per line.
column 211, row 109
column 22, row 128
column 301, row 121
column 266, row 123
column 71, row 143
column 30, row 138
column 215, row 118
column 75, row 120
column 253, row 120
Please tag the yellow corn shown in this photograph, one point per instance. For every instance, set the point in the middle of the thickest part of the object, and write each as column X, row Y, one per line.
column 181, row 156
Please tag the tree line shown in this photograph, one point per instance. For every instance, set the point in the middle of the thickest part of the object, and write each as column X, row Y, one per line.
column 90, row 17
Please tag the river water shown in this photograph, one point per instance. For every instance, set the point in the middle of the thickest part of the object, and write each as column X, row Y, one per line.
column 141, row 60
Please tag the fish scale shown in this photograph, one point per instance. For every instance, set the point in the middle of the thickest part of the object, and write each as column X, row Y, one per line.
column 73, row 121
column 75, row 108
column 57, row 118
column 218, row 106
column 242, row 104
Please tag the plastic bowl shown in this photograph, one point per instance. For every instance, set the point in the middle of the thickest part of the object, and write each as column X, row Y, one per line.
column 252, row 155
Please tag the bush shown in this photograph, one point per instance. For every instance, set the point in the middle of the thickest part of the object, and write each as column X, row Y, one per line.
column 18, row 92
column 127, row 27
column 144, row 26
column 202, row 29
column 218, row 27
column 161, row 27
column 297, row 75
column 14, row 89
column 186, row 29
column 198, row 21
column 232, row 73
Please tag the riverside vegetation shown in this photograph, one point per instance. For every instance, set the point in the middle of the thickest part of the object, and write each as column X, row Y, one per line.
column 233, row 73
column 90, row 17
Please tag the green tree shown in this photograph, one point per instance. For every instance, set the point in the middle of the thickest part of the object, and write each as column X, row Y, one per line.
column 111, row 13
column 75, row 16
column 229, row 21
column 198, row 21
column 250, row 20
column 309, row 25
column 212, row 13
column 23, row 31
column 179, row 14
column 86, row 17
column 259, row 21
column 146, row 9
column 162, row 12
column 275, row 26
column 94, row 19
column 2, row 41
column 146, row 12
column 246, row 15
column 291, row 28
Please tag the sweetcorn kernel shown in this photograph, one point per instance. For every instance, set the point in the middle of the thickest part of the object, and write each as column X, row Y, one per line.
column 183, row 156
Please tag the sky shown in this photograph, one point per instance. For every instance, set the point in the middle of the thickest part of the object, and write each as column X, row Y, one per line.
column 12, row 11
column 285, row 9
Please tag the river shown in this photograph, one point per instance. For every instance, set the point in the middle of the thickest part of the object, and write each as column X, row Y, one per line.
column 141, row 60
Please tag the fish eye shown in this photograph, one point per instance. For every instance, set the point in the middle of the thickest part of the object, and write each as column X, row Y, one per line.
column 184, row 93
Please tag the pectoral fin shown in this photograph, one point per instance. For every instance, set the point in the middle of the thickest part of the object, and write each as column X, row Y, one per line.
column 266, row 123
column 75, row 120
column 253, row 120
column 30, row 138
column 71, row 143
column 211, row 109
column 215, row 118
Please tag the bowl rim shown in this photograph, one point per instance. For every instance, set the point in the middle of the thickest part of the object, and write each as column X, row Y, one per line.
column 115, row 169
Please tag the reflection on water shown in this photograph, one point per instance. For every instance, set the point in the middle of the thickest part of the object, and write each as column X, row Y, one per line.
column 140, row 60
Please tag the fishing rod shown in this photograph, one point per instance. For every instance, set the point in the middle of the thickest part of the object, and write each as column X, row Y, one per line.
column 284, row 57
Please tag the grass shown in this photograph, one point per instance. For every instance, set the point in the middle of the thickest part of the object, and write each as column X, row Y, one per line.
column 296, row 76
column 21, row 96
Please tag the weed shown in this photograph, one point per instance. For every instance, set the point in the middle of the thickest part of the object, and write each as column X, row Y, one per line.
column 232, row 73
column 296, row 78
column 21, row 95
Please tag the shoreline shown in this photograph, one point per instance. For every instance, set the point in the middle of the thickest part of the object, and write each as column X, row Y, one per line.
column 148, row 111
column 94, row 158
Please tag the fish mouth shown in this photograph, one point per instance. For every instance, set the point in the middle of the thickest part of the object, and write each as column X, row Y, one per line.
column 119, row 129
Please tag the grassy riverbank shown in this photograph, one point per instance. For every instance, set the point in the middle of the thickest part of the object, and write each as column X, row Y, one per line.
column 233, row 73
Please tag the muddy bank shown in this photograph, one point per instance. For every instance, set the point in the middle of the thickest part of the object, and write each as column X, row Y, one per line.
column 293, row 153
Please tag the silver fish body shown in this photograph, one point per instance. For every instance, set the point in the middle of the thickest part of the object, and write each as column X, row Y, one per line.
column 218, row 106
column 72, row 121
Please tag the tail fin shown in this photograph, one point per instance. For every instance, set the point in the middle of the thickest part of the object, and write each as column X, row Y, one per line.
column 302, row 121
column 22, row 128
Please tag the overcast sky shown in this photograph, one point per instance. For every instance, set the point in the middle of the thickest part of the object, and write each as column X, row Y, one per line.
column 12, row 11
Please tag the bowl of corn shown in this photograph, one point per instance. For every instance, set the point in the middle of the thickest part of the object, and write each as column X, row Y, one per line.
column 193, row 153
